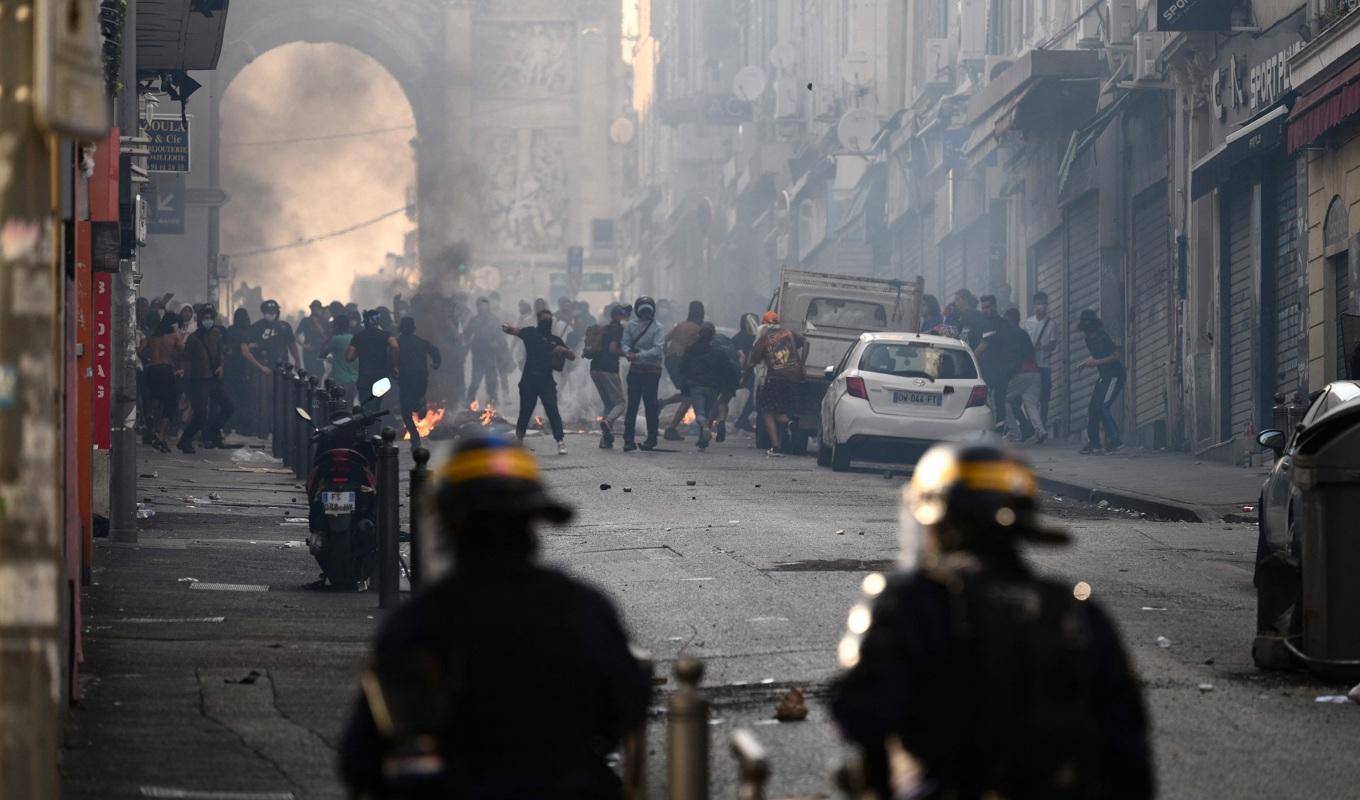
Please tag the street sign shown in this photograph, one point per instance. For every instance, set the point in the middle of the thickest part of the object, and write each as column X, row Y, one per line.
column 69, row 94
column 205, row 197
column 1194, row 15
column 169, row 144
column 168, row 216
column 101, row 413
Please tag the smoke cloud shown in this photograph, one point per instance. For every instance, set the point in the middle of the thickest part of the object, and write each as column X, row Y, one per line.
column 294, row 172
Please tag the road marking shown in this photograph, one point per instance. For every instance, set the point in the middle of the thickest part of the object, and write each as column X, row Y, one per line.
column 168, row 793
column 159, row 620
column 229, row 587
column 696, row 579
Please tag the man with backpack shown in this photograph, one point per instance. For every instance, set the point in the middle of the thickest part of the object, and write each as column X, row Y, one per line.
column 784, row 353
column 994, row 681
column 603, row 347
column 704, row 373
column 643, row 346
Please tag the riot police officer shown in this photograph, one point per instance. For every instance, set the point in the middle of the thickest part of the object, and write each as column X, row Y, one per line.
column 503, row 679
column 967, row 675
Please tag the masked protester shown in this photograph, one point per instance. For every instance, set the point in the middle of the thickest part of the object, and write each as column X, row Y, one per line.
column 643, row 347
column 315, row 329
column 1104, row 358
column 453, row 702
column 544, row 353
column 163, row 360
column 205, row 353
column 784, row 353
column 273, row 340
column 987, row 679
column 417, row 357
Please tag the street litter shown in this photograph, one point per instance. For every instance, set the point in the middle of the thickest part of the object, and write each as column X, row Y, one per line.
column 1335, row 699
column 840, row 532
column 604, row 487
column 691, row 483
column 793, row 708
column 145, row 513
column 187, row 580
column 295, row 521
column 626, row 490
column 214, row 496
column 149, row 475
column 248, row 455
column 734, row 522
column 1206, row 687
column 1248, row 509
column 1103, row 504
column 766, row 681
column 1151, row 608
column 197, row 501
column 1163, row 642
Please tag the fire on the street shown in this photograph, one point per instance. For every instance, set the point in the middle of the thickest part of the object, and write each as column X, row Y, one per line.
column 426, row 424
column 689, row 417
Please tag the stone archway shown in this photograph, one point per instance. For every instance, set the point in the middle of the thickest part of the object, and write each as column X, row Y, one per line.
column 512, row 101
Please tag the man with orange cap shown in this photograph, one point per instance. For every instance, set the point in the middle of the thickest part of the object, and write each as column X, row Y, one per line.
column 503, row 678
column 784, row 353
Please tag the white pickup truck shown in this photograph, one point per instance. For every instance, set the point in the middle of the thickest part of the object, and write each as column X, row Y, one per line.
column 831, row 311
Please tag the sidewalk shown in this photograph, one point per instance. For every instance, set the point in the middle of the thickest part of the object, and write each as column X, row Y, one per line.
column 210, row 671
column 1169, row 485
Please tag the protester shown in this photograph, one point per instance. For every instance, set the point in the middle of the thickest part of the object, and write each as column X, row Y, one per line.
column 483, row 337
column 979, row 677
column 315, row 329
column 931, row 315
column 747, row 330
column 643, row 348
column 1043, row 332
column 604, row 371
column 992, row 357
column 784, row 353
column 678, row 341
column 273, row 341
column 377, row 353
column 473, row 728
column 344, row 373
column 1104, row 357
column 543, row 352
column 969, row 321
column 205, row 353
column 1022, row 382
column 162, row 356
column 704, row 373
column 416, row 357
column 239, row 376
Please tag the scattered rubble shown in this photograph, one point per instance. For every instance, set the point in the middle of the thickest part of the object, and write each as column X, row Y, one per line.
column 793, row 708
column 1163, row 642
column 604, row 487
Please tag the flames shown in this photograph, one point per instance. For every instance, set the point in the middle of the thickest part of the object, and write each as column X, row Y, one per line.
column 426, row 424
column 689, row 418
column 486, row 415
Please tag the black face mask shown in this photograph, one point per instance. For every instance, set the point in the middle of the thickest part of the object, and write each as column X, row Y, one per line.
column 545, row 326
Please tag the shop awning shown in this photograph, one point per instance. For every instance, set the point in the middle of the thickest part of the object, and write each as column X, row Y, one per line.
column 1256, row 138
column 1325, row 107
column 178, row 35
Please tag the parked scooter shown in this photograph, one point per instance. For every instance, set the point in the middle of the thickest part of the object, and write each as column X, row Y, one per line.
column 342, row 494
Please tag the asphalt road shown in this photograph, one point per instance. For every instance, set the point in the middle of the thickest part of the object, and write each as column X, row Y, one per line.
column 751, row 568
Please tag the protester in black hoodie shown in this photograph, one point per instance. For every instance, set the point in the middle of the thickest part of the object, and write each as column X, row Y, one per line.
column 705, row 371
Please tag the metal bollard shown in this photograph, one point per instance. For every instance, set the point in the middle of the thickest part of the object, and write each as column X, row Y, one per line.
column 753, row 765
column 389, row 522
column 635, row 745
column 287, row 419
column 275, row 392
column 687, row 734
column 419, row 475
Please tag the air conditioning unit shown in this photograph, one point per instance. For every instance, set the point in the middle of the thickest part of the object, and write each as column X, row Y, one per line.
column 972, row 30
column 787, row 97
column 1088, row 32
column 994, row 66
column 1123, row 16
column 938, row 60
column 1147, row 52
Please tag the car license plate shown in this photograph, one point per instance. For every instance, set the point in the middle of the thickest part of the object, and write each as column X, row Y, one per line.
column 918, row 398
column 338, row 502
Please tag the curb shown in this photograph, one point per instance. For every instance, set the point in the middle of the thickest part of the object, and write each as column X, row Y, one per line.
column 1156, row 506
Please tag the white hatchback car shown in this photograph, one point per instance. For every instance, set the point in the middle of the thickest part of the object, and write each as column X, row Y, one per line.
column 893, row 395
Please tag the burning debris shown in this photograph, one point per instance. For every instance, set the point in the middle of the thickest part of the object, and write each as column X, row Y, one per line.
column 476, row 415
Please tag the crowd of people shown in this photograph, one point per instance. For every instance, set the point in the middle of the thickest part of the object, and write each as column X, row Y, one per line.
column 1016, row 359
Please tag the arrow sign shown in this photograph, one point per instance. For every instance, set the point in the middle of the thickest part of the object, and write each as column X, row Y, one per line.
column 168, row 218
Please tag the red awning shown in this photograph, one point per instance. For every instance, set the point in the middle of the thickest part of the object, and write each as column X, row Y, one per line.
column 1325, row 107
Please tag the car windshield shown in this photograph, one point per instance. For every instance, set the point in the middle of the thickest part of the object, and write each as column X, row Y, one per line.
column 857, row 314
column 918, row 360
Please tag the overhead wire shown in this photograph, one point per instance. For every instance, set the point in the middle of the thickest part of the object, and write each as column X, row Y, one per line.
column 310, row 240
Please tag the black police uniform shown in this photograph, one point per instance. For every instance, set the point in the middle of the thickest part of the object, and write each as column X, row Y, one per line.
column 524, row 676
column 983, row 702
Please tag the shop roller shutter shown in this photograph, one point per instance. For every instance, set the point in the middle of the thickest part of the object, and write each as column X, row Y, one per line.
column 1288, row 306
column 1083, row 291
column 1151, row 306
column 1240, row 378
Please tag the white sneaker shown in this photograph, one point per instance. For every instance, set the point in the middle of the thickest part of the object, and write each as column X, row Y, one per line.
column 561, row 448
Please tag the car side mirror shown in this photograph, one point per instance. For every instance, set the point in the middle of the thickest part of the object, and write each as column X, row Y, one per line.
column 1272, row 440
column 829, row 373
column 381, row 388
